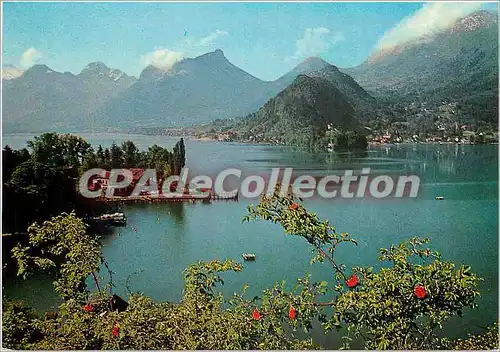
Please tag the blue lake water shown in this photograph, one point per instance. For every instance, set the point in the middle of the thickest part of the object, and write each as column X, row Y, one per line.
column 169, row 237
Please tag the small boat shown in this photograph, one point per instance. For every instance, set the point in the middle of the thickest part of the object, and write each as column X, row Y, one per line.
column 248, row 256
column 439, row 198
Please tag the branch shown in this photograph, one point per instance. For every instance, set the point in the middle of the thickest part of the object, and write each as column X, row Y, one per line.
column 110, row 272
column 322, row 251
column 96, row 282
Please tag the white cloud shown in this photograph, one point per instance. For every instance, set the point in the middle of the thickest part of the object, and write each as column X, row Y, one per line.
column 162, row 58
column 430, row 18
column 30, row 57
column 315, row 41
column 210, row 39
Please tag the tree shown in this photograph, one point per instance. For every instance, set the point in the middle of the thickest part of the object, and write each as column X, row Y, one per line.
column 107, row 158
column 31, row 193
column 130, row 154
column 182, row 153
column 59, row 150
column 90, row 161
column 160, row 159
column 101, row 159
column 116, row 155
column 42, row 184
column 75, row 149
column 179, row 157
column 61, row 245
column 347, row 140
column 47, row 148
column 12, row 159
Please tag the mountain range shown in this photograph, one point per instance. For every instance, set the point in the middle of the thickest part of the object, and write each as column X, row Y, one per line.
column 459, row 63
column 42, row 99
column 196, row 90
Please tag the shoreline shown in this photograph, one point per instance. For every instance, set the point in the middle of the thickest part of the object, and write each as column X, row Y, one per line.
column 209, row 139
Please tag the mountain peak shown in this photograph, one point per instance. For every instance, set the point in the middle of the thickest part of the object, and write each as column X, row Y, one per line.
column 312, row 63
column 39, row 69
column 183, row 66
column 218, row 54
column 99, row 69
column 95, row 68
column 314, row 59
column 151, row 72
column 299, row 114
column 98, row 66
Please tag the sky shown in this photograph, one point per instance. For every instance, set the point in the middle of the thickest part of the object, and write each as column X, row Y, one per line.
column 264, row 39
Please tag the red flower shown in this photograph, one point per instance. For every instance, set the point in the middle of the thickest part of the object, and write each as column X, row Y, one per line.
column 88, row 308
column 420, row 291
column 294, row 206
column 353, row 281
column 292, row 313
column 116, row 330
column 256, row 314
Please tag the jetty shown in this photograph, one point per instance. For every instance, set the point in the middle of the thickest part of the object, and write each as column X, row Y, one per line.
column 224, row 195
column 204, row 197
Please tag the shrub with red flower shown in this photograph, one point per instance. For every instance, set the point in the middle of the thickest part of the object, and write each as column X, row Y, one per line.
column 294, row 206
column 116, row 330
column 353, row 281
column 420, row 291
column 256, row 314
column 88, row 308
column 292, row 313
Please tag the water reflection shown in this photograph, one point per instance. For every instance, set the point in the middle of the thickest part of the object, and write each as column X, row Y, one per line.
column 444, row 160
column 163, row 212
column 337, row 157
column 174, row 211
column 434, row 162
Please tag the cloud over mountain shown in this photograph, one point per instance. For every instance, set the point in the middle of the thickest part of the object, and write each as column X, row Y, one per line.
column 314, row 42
column 431, row 18
column 30, row 57
column 162, row 58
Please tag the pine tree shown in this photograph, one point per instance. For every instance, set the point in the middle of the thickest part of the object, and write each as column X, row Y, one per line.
column 116, row 156
column 107, row 159
column 101, row 159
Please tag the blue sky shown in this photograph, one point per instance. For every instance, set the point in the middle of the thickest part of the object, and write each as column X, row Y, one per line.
column 264, row 39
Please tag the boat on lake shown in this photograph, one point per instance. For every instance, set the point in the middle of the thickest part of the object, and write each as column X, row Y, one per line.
column 116, row 219
column 248, row 256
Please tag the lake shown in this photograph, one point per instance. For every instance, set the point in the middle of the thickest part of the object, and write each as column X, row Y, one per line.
column 169, row 237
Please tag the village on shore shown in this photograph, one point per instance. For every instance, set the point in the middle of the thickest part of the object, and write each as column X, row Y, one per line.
column 458, row 134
